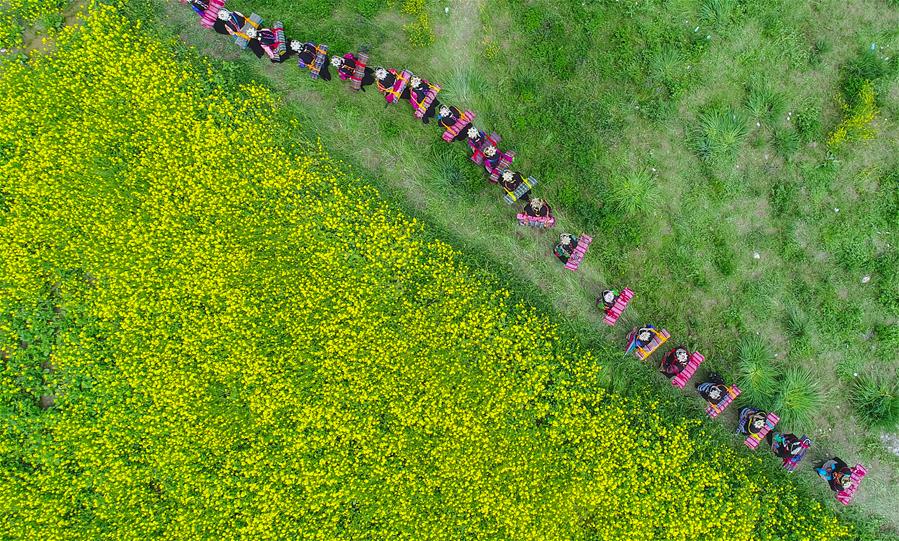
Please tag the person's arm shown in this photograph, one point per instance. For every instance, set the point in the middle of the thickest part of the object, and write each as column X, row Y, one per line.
column 256, row 47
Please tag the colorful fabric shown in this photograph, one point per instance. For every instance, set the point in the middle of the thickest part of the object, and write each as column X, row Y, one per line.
column 210, row 13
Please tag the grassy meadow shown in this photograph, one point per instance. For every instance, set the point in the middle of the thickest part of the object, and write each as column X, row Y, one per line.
column 694, row 140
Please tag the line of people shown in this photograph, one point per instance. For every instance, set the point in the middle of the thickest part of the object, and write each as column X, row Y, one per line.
column 678, row 364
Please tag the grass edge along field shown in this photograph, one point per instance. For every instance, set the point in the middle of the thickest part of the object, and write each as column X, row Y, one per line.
column 230, row 352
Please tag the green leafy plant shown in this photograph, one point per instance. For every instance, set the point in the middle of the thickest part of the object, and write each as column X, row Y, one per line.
column 799, row 399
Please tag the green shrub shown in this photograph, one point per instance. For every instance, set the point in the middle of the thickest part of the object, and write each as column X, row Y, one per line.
column 819, row 49
column 876, row 400
column 758, row 375
column 887, row 340
column 799, row 399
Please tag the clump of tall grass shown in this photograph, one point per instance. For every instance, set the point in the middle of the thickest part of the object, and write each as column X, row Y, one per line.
column 786, row 142
column 719, row 12
column 876, row 400
column 765, row 104
column 758, row 375
column 796, row 321
column 635, row 192
column 799, row 399
column 719, row 135
column 797, row 324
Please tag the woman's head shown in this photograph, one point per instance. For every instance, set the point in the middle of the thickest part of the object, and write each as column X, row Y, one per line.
column 380, row 74
column 490, row 151
column 251, row 32
column 608, row 296
column 336, row 61
column 507, row 175
column 472, row 133
column 295, row 45
column 757, row 421
column 644, row 334
column 716, row 392
column 681, row 355
column 845, row 477
column 223, row 14
column 536, row 203
column 444, row 111
column 415, row 81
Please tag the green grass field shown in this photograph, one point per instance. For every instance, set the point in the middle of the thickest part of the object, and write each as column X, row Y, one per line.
column 690, row 139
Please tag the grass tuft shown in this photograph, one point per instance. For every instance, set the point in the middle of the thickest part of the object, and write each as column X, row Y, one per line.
column 718, row 12
column 876, row 400
column 720, row 133
column 765, row 104
column 634, row 193
column 800, row 399
column 758, row 375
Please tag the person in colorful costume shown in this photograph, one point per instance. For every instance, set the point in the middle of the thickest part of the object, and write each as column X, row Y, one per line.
column 565, row 247
column 784, row 446
column 752, row 421
column 607, row 299
column 675, row 361
column 537, row 208
column 714, row 390
column 346, row 66
column 385, row 79
column 837, row 473
column 510, row 181
column 229, row 23
column 418, row 90
column 447, row 116
column 268, row 42
column 306, row 53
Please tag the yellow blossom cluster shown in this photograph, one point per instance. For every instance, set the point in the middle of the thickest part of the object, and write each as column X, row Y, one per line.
column 243, row 342
column 15, row 15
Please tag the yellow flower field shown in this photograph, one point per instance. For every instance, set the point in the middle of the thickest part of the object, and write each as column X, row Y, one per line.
column 243, row 342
